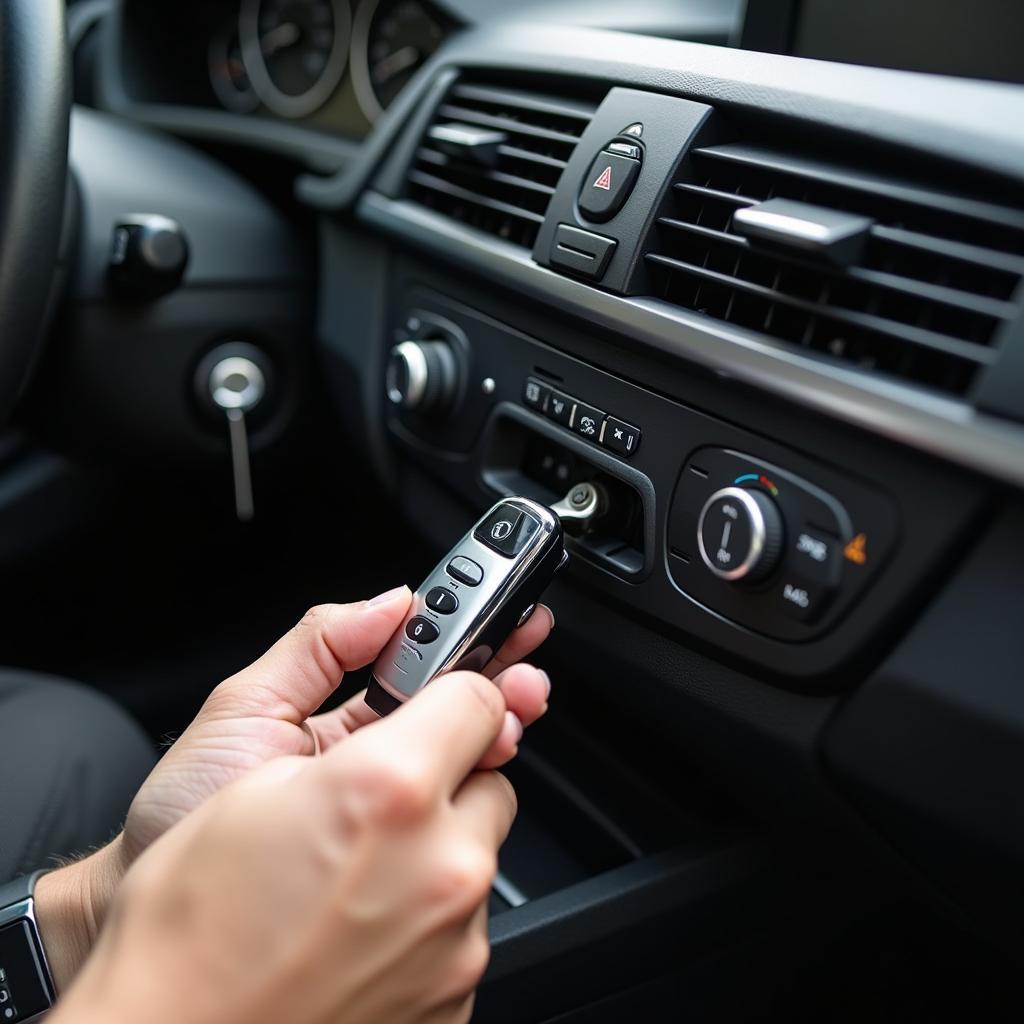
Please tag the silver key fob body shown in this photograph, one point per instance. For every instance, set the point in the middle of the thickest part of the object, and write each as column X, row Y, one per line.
column 473, row 599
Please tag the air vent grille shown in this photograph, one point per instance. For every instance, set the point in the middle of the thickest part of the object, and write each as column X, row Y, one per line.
column 939, row 277
column 509, row 195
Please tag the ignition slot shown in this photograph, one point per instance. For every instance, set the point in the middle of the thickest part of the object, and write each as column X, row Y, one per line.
column 611, row 533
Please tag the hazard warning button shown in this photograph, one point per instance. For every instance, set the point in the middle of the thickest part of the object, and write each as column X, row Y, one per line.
column 608, row 183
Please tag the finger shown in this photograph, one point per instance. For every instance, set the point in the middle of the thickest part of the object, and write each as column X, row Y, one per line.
column 486, row 806
column 340, row 722
column 506, row 746
column 441, row 733
column 305, row 666
column 526, row 691
column 522, row 642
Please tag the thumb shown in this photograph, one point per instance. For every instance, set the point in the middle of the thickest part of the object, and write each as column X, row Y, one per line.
column 306, row 665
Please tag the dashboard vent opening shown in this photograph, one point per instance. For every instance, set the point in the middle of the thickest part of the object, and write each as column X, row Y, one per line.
column 508, row 194
column 939, row 278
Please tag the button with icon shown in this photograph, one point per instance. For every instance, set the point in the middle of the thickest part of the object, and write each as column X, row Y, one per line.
column 507, row 530
column 535, row 394
column 441, row 600
column 560, row 408
column 421, row 630
column 587, row 422
column 621, row 437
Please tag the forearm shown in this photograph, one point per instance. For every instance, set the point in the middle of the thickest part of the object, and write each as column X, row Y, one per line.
column 71, row 904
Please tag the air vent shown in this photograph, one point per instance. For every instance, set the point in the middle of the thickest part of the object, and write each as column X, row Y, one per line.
column 925, row 302
column 493, row 157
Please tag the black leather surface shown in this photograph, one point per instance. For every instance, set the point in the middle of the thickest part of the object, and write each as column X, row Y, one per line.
column 35, row 104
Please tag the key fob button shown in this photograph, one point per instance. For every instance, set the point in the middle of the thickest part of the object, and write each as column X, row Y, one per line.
column 465, row 570
column 421, row 630
column 507, row 530
column 442, row 600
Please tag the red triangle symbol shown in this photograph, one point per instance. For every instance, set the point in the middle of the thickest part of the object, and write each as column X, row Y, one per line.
column 604, row 180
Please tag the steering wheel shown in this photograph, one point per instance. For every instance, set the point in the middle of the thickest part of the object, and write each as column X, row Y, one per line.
column 35, row 111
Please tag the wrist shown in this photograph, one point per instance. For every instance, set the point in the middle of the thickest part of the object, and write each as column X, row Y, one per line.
column 71, row 905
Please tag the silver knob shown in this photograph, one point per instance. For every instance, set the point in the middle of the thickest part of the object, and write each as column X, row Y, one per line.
column 422, row 376
column 740, row 534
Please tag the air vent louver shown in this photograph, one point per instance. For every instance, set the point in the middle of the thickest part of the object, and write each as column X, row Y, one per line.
column 939, row 277
column 508, row 194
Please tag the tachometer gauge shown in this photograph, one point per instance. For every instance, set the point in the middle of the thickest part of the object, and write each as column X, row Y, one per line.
column 228, row 74
column 390, row 40
column 295, row 51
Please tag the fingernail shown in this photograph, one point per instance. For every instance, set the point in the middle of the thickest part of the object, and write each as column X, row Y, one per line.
column 547, row 680
column 517, row 726
column 388, row 595
column 551, row 614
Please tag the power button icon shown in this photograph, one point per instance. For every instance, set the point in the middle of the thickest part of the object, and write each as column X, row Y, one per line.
column 501, row 529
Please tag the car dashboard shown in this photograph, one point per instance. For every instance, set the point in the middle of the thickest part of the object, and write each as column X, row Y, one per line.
column 770, row 305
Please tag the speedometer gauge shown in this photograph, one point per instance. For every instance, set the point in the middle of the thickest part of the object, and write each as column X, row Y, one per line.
column 391, row 39
column 295, row 51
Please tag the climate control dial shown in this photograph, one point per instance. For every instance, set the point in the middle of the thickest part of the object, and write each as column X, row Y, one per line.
column 422, row 376
column 740, row 534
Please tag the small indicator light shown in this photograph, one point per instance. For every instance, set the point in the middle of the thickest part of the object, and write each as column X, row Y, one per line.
column 857, row 550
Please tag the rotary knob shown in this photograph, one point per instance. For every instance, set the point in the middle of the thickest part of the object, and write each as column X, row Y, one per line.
column 740, row 534
column 422, row 376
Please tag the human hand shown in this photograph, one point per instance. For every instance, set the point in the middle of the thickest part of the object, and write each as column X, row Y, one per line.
column 258, row 715
column 351, row 886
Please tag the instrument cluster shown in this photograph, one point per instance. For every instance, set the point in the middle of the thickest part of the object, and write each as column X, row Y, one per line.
column 297, row 58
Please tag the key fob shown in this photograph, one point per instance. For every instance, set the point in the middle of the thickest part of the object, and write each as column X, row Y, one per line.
column 466, row 608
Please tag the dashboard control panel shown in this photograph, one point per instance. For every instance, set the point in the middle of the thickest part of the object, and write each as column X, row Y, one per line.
column 769, row 550
column 586, row 420
column 726, row 521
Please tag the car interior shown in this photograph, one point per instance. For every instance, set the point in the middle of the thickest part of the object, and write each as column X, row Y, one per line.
column 317, row 282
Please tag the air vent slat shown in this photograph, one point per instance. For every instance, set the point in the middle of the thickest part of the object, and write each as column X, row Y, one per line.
column 905, row 332
column 455, row 113
column 522, row 101
column 501, row 179
column 988, row 258
column 927, row 296
column 954, row 298
column 516, row 153
column 710, row 193
column 814, row 172
column 440, row 160
column 447, row 188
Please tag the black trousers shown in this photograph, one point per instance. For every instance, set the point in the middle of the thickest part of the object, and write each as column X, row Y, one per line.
column 70, row 762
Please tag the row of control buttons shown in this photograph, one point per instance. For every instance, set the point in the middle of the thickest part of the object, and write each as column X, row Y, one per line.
column 419, row 628
column 608, row 431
